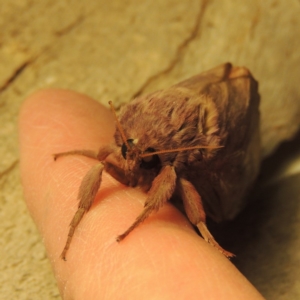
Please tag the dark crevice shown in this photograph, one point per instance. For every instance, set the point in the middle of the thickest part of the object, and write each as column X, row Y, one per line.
column 255, row 22
column 28, row 62
column 18, row 72
column 180, row 50
column 70, row 27
column 9, row 169
column 15, row 75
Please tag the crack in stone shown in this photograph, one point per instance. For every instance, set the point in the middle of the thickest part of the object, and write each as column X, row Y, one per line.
column 180, row 50
column 70, row 27
column 254, row 22
column 15, row 75
column 20, row 69
column 9, row 169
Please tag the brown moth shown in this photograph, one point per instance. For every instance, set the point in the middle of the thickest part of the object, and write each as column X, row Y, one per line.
column 197, row 140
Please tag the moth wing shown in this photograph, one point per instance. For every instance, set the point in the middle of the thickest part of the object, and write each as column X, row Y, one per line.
column 224, row 179
column 201, row 81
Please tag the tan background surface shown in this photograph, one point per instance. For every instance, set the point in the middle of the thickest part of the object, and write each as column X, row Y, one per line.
column 114, row 50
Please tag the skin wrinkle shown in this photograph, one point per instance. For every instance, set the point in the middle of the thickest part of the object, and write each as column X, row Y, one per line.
column 147, row 253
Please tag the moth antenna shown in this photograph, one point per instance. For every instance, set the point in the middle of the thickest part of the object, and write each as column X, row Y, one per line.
column 179, row 150
column 119, row 125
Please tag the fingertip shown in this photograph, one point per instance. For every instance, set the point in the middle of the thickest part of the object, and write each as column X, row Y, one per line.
column 51, row 121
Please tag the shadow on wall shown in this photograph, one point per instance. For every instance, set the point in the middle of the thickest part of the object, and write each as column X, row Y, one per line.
column 265, row 236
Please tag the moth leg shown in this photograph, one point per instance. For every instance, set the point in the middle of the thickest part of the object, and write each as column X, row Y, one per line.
column 101, row 155
column 194, row 209
column 161, row 191
column 87, row 153
column 116, row 172
column 87, row 193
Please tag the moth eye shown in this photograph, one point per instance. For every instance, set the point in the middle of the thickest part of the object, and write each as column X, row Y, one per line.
column 124, row 147
column 150, row 162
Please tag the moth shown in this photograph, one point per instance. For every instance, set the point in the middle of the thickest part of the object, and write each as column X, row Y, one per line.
column 197, row 141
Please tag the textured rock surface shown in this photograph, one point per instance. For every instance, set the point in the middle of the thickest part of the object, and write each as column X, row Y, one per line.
column 115, row 50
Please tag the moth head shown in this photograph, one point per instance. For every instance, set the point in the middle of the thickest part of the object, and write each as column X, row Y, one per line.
column 138, row 158
column 134, row 156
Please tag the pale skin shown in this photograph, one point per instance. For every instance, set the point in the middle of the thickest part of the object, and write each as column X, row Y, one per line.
column 159, row 256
